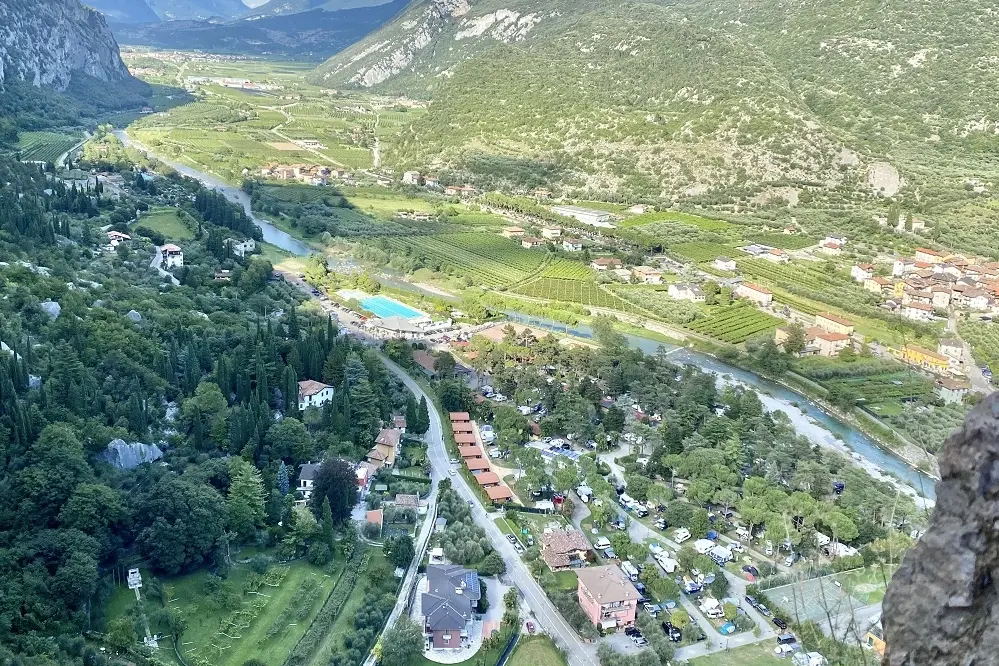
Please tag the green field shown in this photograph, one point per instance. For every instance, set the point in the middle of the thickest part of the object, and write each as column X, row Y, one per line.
column 251, row 618
column 44, row 146
column 165, row 221
column 699, row 252
column 483, row 258
column 574, row 291
column 757, row 654
column 537, row 651
column 702, row 223
column 735, row 323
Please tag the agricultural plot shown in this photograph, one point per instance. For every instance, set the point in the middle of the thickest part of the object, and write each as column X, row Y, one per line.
column 702, row 223
column 44, row 146
column 735, row 323
column 574, row 291
column 247, row 615
column 885, row 387
column 783, row 241
column 698, row 252
column 984, row 340
column 927, row 426
column 484, row 258
column 167, row 222
column 566, row 269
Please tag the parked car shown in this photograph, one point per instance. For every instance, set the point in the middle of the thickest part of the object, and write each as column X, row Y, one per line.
column 511, row 538
column 672, row 632
column 751, row 601
column 530, row 627
column 632, row 631
column 750, row 569
column 681, row 535
column 452, row 472
column 780, row 623
column 764, row 611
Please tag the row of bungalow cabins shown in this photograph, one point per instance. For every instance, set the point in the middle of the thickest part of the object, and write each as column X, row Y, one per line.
column 471, row 452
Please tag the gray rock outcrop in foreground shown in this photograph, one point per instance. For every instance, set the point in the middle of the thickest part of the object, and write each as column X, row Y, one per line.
column 942, row 606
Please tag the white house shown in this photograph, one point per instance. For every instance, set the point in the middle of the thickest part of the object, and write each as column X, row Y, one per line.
column 647, row 275
column 243, row 248
column 861, row 272
column 313, row 394
column 116, row 237
column 951, row 390
column 551, row 233
column 755, row 293
column 917, row 311
column 594, row 218
column 572, row 245
column 838, row 240
column 412, row 178
column 725, row 264
column 682, row 291
column 831, row 248
column 173, row 256
column 307, row 478
column 777, row 256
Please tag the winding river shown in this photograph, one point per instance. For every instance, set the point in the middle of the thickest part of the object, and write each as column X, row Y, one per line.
column 809, row 418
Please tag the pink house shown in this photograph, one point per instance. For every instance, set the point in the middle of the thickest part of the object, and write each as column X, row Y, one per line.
column 607, row 596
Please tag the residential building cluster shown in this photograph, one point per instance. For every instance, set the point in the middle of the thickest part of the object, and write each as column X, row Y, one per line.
column 931, row 281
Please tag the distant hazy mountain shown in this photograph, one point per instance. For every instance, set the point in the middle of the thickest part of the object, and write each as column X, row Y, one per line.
column 284, row 7
column 315, row 34
column 197, row 10
column 124, row 11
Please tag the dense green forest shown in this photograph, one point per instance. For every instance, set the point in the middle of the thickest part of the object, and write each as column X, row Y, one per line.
column 98, row 347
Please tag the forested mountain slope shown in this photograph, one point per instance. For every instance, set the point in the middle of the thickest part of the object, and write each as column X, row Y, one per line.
column 645, row 98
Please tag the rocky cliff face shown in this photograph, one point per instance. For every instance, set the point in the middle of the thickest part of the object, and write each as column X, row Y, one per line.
column 45, row 43
column 943, row 604
column 403, row 42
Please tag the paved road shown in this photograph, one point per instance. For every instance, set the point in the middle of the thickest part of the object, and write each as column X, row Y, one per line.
column 978, row 380
column 545, row 613
column 423, row 539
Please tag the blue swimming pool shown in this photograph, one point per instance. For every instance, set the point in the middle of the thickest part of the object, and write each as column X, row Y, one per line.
column 383, row 306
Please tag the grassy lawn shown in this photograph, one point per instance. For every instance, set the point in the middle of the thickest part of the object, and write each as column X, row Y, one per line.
column 280, row 259
column 504, row 525
column 204, row 618
column 567, row 580
column 165, row 221
column 386, row 207
column 536, row 651
column 757, row 654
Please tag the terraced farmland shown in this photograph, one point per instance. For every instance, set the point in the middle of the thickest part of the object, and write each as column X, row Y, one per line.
column 486, row 259
column 735, row 324
column 44, row 146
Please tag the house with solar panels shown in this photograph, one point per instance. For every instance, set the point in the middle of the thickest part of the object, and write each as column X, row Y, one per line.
column 448, row 605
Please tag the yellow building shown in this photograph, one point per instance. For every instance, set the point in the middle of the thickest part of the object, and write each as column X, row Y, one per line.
column 924, row 358
column 875, row 638
column 827, row 321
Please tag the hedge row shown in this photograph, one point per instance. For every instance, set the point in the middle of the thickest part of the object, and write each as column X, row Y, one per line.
column 321, row 625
